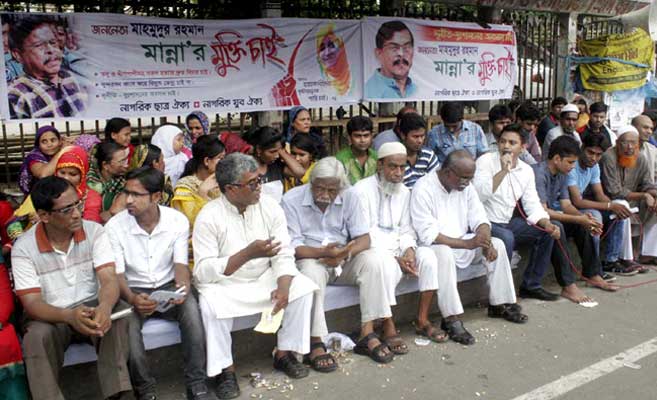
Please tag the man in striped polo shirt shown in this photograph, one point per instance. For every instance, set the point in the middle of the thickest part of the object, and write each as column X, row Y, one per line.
column 421, row 159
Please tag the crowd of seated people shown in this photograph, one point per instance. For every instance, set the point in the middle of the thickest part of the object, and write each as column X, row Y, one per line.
column 238, row 227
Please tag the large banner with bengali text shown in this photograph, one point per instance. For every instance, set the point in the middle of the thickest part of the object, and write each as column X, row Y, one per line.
column 107, row 65
column 95, row 66
column 415, row 60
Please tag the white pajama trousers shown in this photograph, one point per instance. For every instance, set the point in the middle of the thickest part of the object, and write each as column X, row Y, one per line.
column 649, row 244
column 440, row 272
column 294, row 334
column 375, row 272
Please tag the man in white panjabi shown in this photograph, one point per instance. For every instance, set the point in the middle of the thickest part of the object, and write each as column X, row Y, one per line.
column 387, row 208
column 330, row 235
column 444, row 208
column 244, row 264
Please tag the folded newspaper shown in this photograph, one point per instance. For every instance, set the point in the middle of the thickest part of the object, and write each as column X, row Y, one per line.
column 164, row 297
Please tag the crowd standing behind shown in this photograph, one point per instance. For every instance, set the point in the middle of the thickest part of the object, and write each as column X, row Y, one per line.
column 263, row 224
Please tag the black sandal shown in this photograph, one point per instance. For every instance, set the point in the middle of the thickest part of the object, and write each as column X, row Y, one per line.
column 329, row 363
column 509, row 313
column 377, row 354
column 291, row 366
column 396, row 344
column 457, row 332
column 227, row 387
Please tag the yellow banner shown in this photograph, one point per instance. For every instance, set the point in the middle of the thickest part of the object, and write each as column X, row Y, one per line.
column 610, row 76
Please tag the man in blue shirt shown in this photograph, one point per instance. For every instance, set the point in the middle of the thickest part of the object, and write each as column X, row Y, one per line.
column 551, row 176
column 455, row 133
column 394, row 50
column 587, row 194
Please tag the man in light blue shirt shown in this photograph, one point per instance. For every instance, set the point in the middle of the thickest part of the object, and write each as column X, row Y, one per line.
column 394, row 50
column 455, row 133
column 330, row 233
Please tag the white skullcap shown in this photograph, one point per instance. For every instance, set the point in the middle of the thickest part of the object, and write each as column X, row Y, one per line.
column 391, row 148
column 626, row 129
column 570, row 107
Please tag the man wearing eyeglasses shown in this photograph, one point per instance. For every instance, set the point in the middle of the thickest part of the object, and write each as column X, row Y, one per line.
column 330, row 236
column 626, row 176
column 244, row 265
column 567, row 124
column 45, row 89
column 394, row 50
column 64, row 275
column 151, row 249
column 451, row 222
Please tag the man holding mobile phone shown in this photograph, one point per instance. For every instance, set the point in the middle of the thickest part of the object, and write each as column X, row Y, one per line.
column 151, row 246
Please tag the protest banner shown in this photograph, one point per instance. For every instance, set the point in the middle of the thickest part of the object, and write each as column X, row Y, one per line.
column 418, row 60
column 108, row 65
column 609, row 74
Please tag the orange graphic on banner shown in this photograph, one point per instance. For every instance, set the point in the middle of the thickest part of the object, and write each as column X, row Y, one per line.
column 464, row 35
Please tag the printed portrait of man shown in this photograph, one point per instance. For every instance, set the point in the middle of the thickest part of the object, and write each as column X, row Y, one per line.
column 394, row 51
column 47, row 88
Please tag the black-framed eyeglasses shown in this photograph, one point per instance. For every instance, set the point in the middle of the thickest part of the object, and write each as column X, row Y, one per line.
column 79, row 205
column 253, row 184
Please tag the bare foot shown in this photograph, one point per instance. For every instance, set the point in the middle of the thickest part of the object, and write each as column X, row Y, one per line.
column 600, row 283
column 574, row 294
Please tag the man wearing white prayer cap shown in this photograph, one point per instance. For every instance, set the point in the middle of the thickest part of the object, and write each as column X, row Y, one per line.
column 567, row 124
column 626, row 176
column 334, row 244
column 386, row 201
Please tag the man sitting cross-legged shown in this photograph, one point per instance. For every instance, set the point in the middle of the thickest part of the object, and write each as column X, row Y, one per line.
column 330, row 234
column 444, row 209
column 150, row 243
column 244, row 265
column 64, row 274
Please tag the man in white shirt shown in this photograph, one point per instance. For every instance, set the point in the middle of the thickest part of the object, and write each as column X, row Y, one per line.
column 386, row 201
column 151, row 248
column 567, row 124
column 502, row 181
column 244, row 265
column 330, row 235
column 644, row 126
column 444, row 210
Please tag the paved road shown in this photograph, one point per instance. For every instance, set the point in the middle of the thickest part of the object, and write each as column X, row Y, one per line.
column 553, row 351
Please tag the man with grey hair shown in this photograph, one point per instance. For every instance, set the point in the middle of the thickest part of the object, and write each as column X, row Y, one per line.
column 244, row 264
column 331, row 237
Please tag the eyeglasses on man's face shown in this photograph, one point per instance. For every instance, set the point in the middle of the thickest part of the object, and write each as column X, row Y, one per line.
column 253, row 184
column 67, row 210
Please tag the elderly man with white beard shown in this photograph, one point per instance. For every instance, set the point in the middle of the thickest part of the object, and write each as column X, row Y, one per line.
column 386, row 201
column 330, row 235
column 445, row 208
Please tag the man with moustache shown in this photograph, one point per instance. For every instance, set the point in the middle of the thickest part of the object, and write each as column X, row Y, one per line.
column 394, row 50
column 626, row 176
column 451, row 223
column 150, row 243
column 45, row 90
column 386, row 200
column 330, row 234
column 567, row 123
